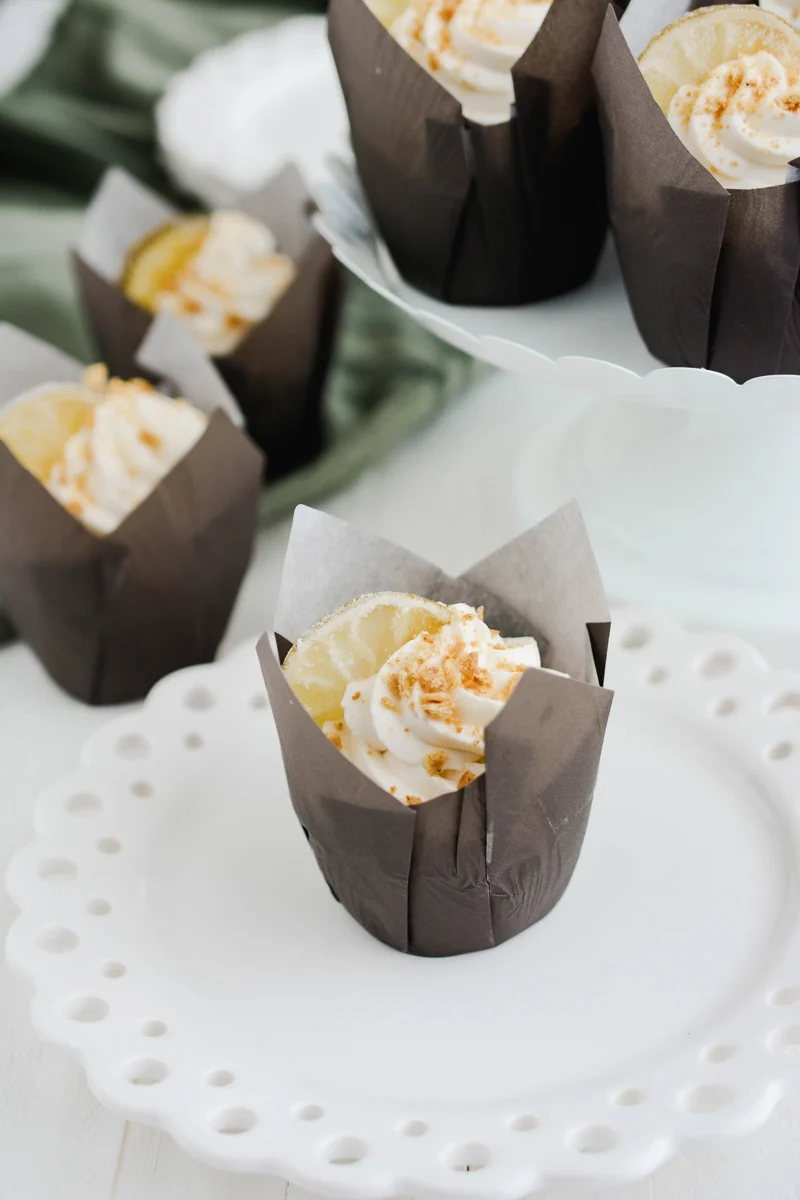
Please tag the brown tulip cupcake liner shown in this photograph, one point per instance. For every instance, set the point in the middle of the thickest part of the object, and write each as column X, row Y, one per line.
column 472, row 868
column 108, row 616
column 278, row 370
column 711, row 274
column 478, row 214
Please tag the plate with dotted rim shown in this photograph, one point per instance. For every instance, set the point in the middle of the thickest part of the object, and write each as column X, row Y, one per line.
column 184, row 947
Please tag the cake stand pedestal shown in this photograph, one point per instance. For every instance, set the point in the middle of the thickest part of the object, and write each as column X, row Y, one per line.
column 698, row 512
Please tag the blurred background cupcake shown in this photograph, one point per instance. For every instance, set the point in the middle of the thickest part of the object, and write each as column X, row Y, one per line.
column 201, row 101
column 127, row 516
column 255, row 285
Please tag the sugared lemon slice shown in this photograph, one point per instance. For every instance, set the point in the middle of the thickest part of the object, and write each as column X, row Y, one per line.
column 35, row 428
column 387, row 11
column 153, row 265
column 689, row 50
column 353, row 643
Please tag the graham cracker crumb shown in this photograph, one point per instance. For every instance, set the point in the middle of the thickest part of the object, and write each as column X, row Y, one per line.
column 436, row 762
column 512, row 667
column 473, row 677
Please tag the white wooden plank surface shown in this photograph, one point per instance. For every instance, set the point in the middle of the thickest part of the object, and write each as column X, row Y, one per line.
column 56, row 1142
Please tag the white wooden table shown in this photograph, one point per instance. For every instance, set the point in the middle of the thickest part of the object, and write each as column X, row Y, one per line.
column 56, row 1142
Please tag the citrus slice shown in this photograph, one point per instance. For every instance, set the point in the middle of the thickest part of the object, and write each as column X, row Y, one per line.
column 154, row 263
column 353, row 643
column 35, row 428
column 387, row 11
column 688, row 50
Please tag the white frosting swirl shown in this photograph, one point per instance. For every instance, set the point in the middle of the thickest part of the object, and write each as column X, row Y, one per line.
column 788, row 9
column 470, row 46
column 417, row 727
column 233, row 281
column 742, row 122
column 133, row 438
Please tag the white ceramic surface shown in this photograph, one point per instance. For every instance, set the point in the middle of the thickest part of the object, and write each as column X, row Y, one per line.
column 241, row 110
column 183, row 945
column 695, row 512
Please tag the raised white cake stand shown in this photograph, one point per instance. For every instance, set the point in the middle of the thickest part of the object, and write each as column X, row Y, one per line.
column 687, row 479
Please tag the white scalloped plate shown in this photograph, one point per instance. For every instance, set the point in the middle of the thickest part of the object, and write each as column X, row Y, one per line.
column 184, row 947
column 586, row 340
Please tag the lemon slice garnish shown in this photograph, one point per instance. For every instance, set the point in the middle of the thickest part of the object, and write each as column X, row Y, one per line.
column 353, row 643
column 688, row 50
column 154, row 264
column 37, row 427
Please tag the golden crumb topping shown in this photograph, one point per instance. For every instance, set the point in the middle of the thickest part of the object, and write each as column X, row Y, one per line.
column 436, row 762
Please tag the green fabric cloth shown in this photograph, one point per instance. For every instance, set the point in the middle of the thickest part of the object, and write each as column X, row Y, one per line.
column 88, row 104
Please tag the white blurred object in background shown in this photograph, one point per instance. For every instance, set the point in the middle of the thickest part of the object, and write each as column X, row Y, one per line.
column 241, row 110
column 26, row 29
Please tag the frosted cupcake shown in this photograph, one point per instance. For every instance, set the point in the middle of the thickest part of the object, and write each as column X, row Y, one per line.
column 102, row 447
column 257, row 287
column 728, row 82
column 127, row 517
column 219, row 275
column 470, row 48
column 416, row 724
column 475, row 133
column 702, row 135
column 443, row 772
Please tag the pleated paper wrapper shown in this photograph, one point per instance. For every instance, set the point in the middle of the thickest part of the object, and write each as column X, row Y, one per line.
column 109, row 616
column 711, row 274
column 472, row 868
column 480, row 214
column 277, row 373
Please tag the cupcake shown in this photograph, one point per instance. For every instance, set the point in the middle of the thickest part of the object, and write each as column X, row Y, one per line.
column 256, row 287
column 470, row 48
column 441, row 736
column 127, row 516
column 701, row 136
column 219, row 275
column 475, row 132
column 422, row 682
column 102, row 447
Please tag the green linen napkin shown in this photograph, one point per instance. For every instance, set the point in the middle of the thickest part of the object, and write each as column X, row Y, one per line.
column 89, row 103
